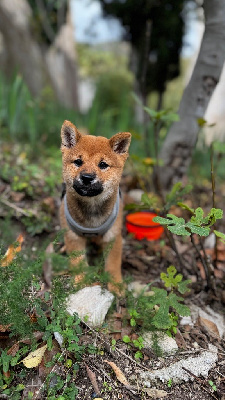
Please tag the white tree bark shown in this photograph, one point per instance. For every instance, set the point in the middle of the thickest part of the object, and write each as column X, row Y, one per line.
column 23, row 51
column 177, row 148
column 62, row 66
column 56, row 66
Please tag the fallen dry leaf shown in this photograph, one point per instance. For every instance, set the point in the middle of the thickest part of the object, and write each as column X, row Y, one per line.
column 12, row 250
column 17, row 196
column 180, row 340
column 209, row 326
column 4, row 328
column 38, row 335
column 119, row 374
column 13, row 350
column 43, row 371
column 48, row 204
column 93, row 379
column 34, row 358
column 155, row 393
column 6, row 374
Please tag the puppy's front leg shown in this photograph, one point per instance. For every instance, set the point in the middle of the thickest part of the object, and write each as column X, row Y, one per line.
column 75, row 243
column 113, row 263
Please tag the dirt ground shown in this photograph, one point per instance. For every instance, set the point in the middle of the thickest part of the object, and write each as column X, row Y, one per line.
column 144, row 261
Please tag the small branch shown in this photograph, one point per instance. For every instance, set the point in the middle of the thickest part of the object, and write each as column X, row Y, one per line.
column 18, row 209
column 174, row 247
column 204, row 263
column 213, row 195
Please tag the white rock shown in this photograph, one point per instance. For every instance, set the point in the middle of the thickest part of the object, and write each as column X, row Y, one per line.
column 209, row 314
column 59, row 338
column 186, row 321
column 167, row 344
column 136, row 194
column 92, row 302
column 210, row 241
column 199, row 365
column 137, row 287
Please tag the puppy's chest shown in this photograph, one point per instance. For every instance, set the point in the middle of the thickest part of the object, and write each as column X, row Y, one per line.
column 92, row 213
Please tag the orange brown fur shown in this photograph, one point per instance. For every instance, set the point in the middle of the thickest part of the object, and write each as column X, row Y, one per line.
column 94, row 209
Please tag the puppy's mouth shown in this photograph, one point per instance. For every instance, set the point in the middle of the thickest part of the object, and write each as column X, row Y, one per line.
column 89, row 190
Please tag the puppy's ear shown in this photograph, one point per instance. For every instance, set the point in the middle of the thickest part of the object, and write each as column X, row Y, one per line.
column 69, row 134
column 120, row 142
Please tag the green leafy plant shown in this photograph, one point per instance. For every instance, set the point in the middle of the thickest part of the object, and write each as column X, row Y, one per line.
column 138, row 343
column 220, row 235
column 113, row 344
column 213, row 386
column 198, row 223
column 170, row 383
column 160, row 308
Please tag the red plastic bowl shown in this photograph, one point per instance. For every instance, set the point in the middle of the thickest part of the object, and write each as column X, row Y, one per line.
column 141, row 224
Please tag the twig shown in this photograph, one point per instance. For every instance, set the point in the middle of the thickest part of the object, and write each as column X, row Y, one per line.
column 174, row 247
column 212, row 283
column 204, row 263
column 213, row 196
column 18, row 209
column 200, row 381
column 107, row 346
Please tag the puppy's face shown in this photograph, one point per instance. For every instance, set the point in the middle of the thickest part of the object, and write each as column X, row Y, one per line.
column 92, row 165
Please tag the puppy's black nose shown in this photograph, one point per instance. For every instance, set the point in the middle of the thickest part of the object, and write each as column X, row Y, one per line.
column 87, row 179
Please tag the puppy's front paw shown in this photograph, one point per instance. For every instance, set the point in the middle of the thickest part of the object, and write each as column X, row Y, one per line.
column 117, row 288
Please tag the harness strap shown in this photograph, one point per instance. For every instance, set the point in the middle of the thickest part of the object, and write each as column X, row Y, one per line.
column 89, row 232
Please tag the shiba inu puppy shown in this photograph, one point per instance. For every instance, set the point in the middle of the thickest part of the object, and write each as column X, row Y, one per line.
column 92, row 208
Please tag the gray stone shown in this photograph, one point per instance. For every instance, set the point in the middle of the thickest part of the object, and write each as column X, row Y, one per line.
column 208, row 313
column 136, row 194
column 92, row 302
column 199, row 365
column 166, row 343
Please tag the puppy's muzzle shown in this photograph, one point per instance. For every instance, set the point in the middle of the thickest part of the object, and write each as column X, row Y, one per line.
column 87, row 185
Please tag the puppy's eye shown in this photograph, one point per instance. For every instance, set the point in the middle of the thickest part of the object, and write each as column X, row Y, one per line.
column 78, row 162
column 103, row 165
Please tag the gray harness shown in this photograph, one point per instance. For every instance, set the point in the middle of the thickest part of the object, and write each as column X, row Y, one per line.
column 89, row 232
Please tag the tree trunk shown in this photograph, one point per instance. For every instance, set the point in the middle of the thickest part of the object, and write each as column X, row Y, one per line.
column 23, row 51
column 62, row 66
column 57, row 66
column 178, row 146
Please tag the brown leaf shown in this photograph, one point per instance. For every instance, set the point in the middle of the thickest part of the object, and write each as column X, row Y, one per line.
column 180, row 340
column 48, row 204
column 48, row 356
column 126, row 330
column 209, row 326
column 13, row 350
column 93, row 380
column 17, row 196
column 11, row 252
column 38, row 335
column 155, row 393
column 4, row 328
column 119, row 374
